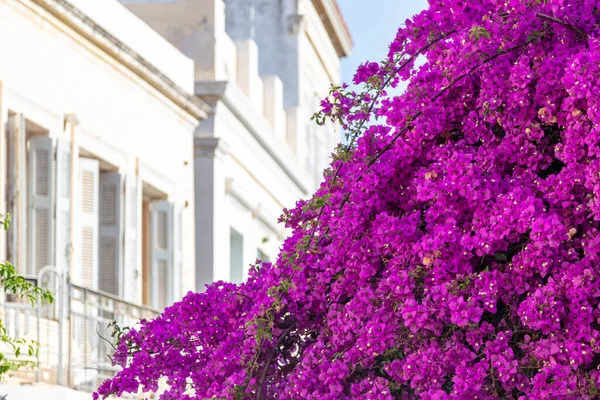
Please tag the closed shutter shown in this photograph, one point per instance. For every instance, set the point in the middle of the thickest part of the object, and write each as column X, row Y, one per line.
column 161, row 247
column 177, row 254
column 110, row 268
column 40, row 188
column 132, row 262
column 63, row 206
column 88, row 222
column 88, row 215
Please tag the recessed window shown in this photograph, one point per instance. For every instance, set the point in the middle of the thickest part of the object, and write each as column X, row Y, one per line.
column 236, row 250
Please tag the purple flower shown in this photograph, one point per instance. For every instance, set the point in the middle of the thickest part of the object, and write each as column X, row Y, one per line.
column 452, row 252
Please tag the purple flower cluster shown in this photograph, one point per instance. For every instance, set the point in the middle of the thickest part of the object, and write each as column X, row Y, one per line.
column 453, row 252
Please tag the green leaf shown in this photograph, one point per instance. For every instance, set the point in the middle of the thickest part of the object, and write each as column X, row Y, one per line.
column 477, row 32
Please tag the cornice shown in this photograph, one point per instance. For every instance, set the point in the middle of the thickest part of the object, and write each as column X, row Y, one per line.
column 79, row 22
column 336, row 26
column 229, row 95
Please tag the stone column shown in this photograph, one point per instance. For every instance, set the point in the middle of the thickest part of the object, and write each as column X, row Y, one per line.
column 211, row 219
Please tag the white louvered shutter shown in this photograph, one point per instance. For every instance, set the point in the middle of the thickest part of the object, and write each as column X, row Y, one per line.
column 88, row 222
column 110, row 269
column 40, row 188
column 177, row 253
column 63, row 206
column 161, row 254
column 132, row 260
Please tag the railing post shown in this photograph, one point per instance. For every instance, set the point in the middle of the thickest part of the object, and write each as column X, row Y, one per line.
column 71, row 330
column 38, row 311
column 60, row 303
column 52, row 275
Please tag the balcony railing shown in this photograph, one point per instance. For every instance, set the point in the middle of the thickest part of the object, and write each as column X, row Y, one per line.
column 72, row 332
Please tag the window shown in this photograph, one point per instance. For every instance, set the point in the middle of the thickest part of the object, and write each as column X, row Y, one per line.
column 161, row 256
column 37, row 177
column 236, row 252
column 35, row 192
column 106, row 217
column 261, row 256
column 107, row 220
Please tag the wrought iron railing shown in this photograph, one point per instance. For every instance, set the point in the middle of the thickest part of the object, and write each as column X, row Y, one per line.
column 72, row 332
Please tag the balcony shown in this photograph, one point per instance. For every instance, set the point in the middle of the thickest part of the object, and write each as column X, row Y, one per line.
column 72, row 332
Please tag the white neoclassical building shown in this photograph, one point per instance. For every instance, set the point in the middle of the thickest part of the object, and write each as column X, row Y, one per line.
column 147, row 148
column 97, row 117
column 262, row 66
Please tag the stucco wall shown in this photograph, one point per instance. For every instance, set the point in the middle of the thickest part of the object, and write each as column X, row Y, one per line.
column 53, row 72
column 135, row 33
column 241, row 187
column 244, row 167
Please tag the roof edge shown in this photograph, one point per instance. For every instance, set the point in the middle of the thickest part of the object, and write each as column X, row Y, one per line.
column 75, row 19
column 336, row 26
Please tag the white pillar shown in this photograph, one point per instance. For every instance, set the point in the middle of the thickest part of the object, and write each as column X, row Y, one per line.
column 71, row 127
column 248, row 79
column 212, row 228
column 295, row 135
column 273, row 108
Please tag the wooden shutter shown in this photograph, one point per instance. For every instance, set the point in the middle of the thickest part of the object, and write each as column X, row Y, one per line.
column 40, row 188
column 63, row 206
column 110, row 269
column 88, row 222
column 132, row 259
column 161, row 246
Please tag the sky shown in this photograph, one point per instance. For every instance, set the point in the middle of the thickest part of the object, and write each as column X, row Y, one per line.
column 373, row 24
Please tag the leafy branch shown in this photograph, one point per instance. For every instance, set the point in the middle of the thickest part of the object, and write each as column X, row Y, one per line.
column 15, row 284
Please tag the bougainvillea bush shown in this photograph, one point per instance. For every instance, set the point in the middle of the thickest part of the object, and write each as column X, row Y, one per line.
column 453, row 249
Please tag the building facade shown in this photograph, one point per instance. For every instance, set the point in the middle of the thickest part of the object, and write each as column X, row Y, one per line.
column 262, row 66
column 97, row 118
column 147, row 148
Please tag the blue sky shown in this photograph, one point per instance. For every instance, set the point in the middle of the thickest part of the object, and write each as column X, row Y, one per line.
column 374, row 24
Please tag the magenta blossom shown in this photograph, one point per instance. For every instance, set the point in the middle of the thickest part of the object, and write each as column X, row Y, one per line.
column 453, row 249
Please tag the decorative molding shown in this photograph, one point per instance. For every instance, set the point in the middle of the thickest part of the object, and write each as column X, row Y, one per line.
column 75, row 19
column 109, row 154
column 209, row 147
column 156, row 180
column 295, row 23
column 336, row 26
column 243, row 196
column 270, row 223
column 240, row 107
column 210, row 88
column 73, row 119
